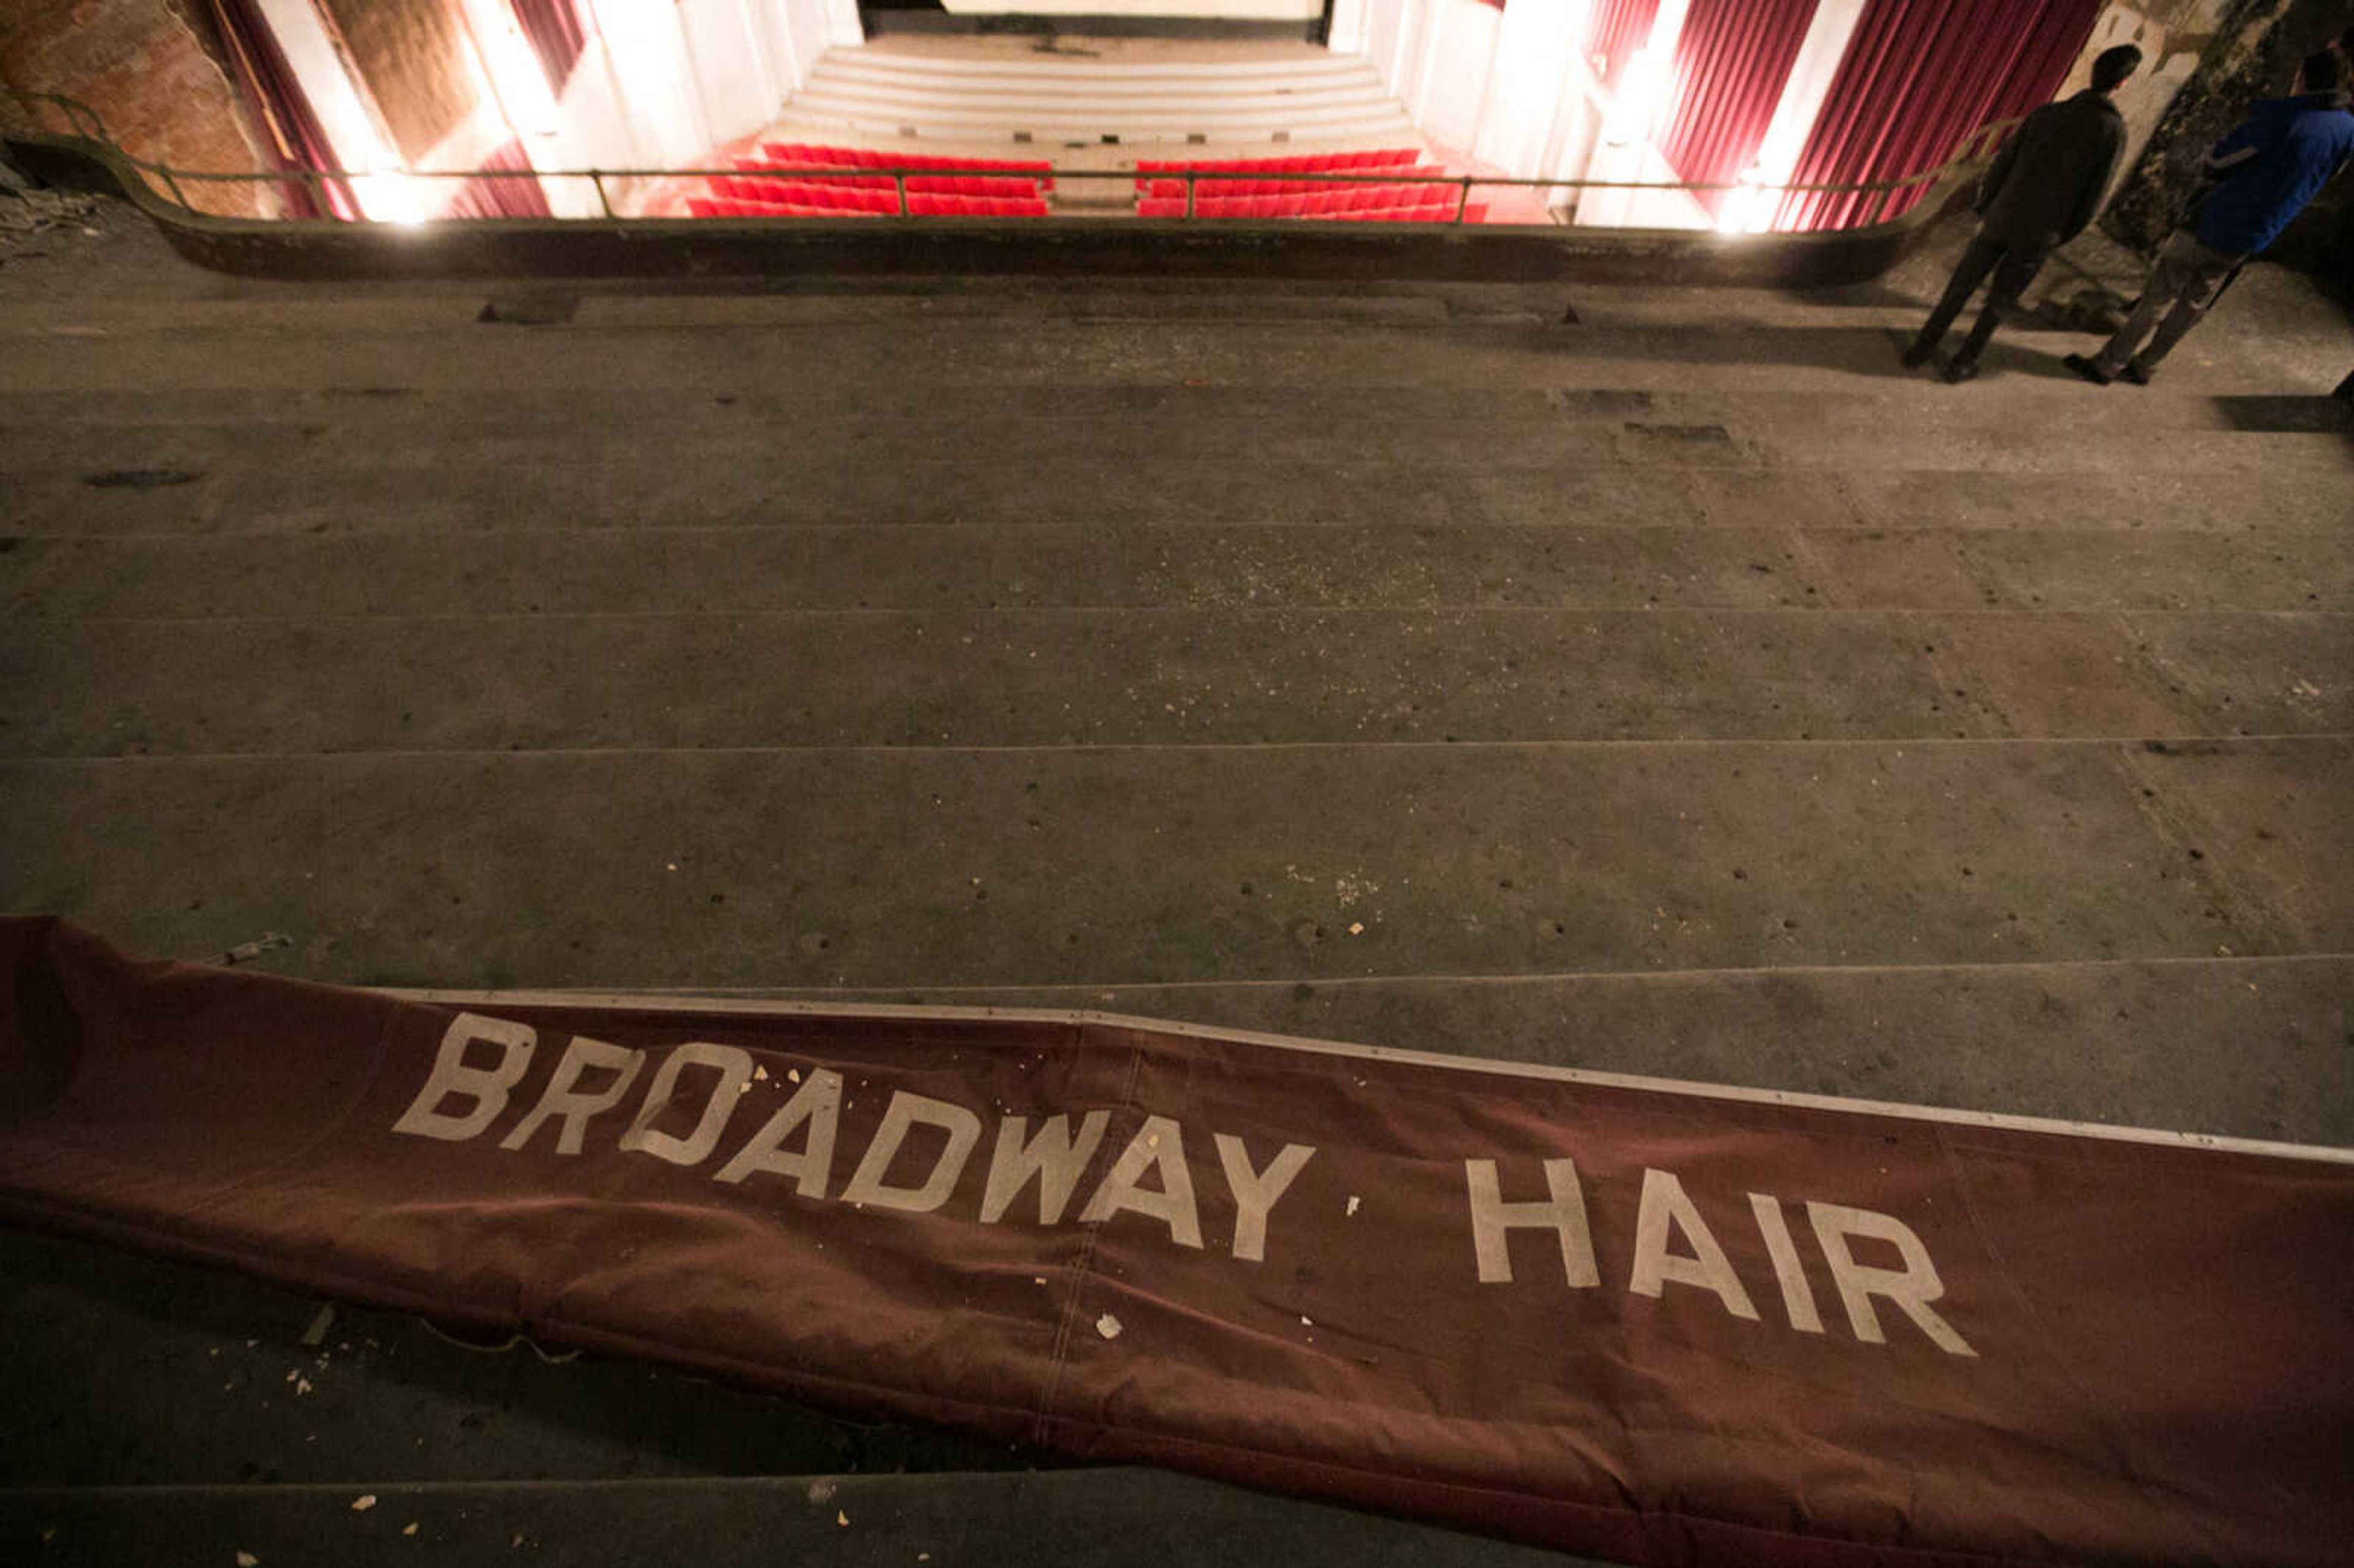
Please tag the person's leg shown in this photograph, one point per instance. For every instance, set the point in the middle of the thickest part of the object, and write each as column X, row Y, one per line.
column 2207, row 272
column 1978, row 258
column 2012, row 275
column 2166, row 281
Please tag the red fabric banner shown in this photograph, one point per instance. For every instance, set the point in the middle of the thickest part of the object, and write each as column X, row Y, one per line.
column 1655, row 1323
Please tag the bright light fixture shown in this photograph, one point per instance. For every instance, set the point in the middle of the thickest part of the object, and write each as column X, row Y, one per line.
column 391, row 196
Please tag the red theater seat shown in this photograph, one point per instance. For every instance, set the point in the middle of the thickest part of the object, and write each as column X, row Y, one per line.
column 1029, row 177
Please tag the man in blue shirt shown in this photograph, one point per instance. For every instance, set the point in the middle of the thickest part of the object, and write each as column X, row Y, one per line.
column 2262, row 173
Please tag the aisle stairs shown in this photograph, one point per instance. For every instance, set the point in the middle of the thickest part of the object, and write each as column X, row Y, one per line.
column 1274, row 93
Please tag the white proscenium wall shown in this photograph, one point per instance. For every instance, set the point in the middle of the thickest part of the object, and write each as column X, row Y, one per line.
column 1511, row 90
column 666, row 81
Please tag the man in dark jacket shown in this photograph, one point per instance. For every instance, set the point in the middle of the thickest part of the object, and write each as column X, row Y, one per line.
column 2262, row 173
column 2044, row 188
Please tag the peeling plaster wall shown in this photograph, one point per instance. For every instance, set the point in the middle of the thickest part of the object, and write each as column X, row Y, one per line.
column 2172, row 39
column 2250, row 49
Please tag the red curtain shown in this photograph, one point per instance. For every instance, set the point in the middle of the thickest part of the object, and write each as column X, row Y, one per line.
column 517, row 195
column 297, row 140
column 1919, row 75
column 1615, row 31
column 1731, row 62
column 555, row 34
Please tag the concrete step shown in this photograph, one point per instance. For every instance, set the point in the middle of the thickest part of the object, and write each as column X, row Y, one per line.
column 412, row 570
column 1179, row 677
column 1074, row 87
column 1452, row 447
column 1333, row 98
column 1263, row 71
column 1071, row 1518
column 812, row 112
column 897, row 868
column 1247, row 343
column 2075, row 1042
column 31, row 421
column 1121, row 491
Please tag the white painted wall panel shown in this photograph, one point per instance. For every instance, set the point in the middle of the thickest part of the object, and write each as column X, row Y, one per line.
column 730, row 60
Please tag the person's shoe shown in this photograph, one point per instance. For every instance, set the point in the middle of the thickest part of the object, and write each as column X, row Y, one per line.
column 1918, row 353
column 2088, row 369
column 2134, row 373
column 1960, row 370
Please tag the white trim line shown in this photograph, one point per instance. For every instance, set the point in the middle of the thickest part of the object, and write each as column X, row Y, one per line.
column 628, row 1001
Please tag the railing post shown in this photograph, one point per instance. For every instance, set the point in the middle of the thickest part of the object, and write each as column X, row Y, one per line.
column 170, row 181
column 1463, row 200
column 318, row 185
column 1188, row 192
column 899, row 183
column 597, row 178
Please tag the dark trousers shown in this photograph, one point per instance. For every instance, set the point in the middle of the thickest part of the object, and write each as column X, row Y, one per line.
column 2013, row 268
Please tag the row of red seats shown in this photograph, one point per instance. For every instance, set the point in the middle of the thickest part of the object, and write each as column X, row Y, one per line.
column 1305, row 164
column 1275, row 188
column 917, row 206
column 800, row 156
column 808, row 193
column 1440, row 211
column 1333, row 201
column 930, row 185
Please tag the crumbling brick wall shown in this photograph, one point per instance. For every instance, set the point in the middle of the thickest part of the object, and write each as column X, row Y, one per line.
column 2253, row 53
column 152, row 70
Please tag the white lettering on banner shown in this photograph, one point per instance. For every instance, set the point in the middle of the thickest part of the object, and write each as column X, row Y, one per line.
column 1911, row 1287
column 1564, row 1213
column 868, row 1184
column 1665, row 1206
column 488, row 1087
column 1673, row 1242
column 817, row 1102
column 1256, row 1191
column 1798, row 1296
column 563, row 1099
column 1054, row 1157
column 1161, row 1143
column 734, row 1066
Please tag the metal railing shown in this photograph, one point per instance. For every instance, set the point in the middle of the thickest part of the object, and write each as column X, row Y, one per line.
column 86, row 123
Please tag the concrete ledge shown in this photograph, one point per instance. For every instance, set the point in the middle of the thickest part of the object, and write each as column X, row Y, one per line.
column 723, row 249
